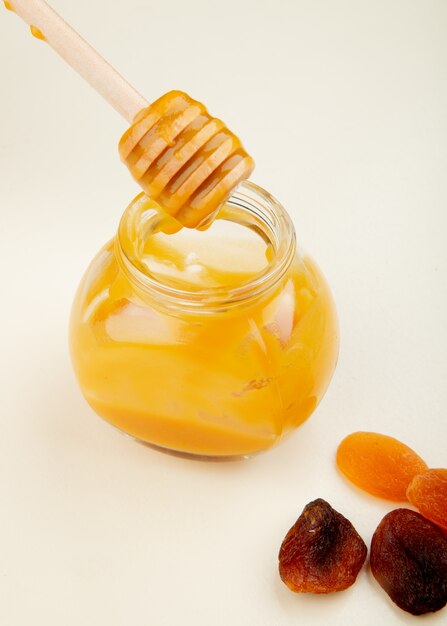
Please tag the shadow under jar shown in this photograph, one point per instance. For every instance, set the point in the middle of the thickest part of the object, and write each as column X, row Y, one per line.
column 212, row 343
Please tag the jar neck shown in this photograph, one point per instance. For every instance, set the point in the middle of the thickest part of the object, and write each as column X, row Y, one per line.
column 249, row 206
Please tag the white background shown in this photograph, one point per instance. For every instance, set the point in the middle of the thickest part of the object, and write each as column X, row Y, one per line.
column 343, row 105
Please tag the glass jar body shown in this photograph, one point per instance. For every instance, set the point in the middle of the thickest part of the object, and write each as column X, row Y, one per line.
column 227, row 382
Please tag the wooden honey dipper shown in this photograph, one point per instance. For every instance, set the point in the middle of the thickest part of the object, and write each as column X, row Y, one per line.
column 184, row 159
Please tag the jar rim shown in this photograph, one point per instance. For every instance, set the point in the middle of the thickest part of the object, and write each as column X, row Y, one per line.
column 262, row 212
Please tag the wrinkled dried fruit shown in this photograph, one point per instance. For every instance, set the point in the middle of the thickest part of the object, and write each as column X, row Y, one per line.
column 322, row 552
column 409, row 560
column 381, row 465
column 428, row 492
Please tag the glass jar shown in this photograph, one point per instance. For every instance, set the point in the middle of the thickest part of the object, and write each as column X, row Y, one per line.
column 212, row 343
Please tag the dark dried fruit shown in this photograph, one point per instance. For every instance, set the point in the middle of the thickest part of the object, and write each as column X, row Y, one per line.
column 409, row 560
column 322, row 552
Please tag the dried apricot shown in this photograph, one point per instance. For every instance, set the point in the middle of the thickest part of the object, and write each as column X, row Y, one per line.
column 322, row 552
column 428, row 492
column 381, row 465
column 409, row 560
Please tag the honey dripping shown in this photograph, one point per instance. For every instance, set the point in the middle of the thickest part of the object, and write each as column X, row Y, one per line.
column 38, row 34
column 184, row 159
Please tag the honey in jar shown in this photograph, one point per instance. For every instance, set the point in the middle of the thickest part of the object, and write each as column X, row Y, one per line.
column 213, row 343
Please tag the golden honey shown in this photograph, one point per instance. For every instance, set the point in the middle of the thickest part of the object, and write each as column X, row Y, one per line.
column 183, row 158
column 38, row 34
column 213, row 343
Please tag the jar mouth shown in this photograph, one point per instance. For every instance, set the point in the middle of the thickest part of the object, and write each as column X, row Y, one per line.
column 249, row 206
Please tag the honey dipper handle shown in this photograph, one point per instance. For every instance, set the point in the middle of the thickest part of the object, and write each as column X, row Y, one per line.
column 80, row 55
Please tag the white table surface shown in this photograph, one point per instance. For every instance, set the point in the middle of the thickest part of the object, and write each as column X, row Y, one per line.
column 343, row 104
